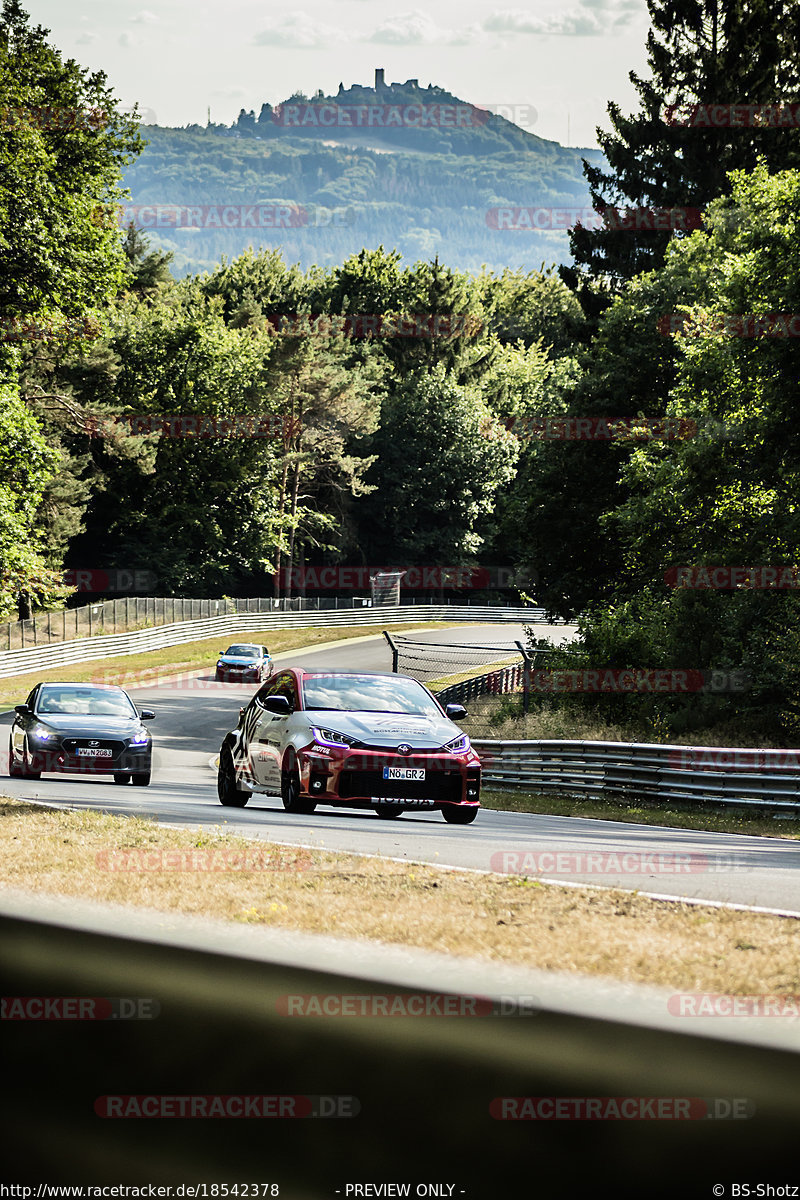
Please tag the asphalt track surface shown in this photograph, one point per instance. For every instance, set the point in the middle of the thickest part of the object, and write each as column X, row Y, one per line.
column 193, row 715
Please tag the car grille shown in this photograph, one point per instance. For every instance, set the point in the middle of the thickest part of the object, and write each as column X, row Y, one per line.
column 440, row 786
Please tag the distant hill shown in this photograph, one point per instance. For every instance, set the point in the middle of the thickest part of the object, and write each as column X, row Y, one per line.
column 414, row 168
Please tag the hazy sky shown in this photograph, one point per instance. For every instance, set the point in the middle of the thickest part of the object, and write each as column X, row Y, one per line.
column 178, row 57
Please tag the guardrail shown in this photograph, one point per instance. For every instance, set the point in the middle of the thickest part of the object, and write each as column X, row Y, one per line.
column 220, row 1029
column 499, row 682
column 18, row 662
column 718, row 774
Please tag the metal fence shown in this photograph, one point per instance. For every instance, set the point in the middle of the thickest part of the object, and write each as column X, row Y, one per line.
column 715, row 774
column 129, row 613
column 18, row 662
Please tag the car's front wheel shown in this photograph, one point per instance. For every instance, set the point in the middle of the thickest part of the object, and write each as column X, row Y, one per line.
column 293, row 800
column 228, row 793
column 122, row 777
column 28, row 771
column 141, row 780
column 459, row 816
column 13, row 769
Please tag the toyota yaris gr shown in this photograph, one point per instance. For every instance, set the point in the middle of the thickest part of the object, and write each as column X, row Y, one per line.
column 81, row 728
column 380, row 742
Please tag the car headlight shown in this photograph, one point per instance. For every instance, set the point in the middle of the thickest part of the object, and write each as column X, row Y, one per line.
column 459, row 745
column 42, row 734
column 140, row 738
column 330, row 737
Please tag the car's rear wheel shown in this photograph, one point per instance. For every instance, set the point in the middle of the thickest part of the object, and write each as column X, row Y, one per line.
column 122, row 777
column 141, row 780
column 227, row 790
column 389, row 811
column 459, row 816
column 28, row 771
column 293, row 800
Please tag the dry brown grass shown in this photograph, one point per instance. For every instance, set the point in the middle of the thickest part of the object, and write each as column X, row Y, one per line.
column 504, row 919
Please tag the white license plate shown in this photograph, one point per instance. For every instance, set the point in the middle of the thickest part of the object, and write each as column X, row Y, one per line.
column 92, row 752
column 403, row 772
column 401, row 802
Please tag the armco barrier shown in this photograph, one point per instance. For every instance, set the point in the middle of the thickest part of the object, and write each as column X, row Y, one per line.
column 722, row 775
column 39, row 658
column 424, row 1086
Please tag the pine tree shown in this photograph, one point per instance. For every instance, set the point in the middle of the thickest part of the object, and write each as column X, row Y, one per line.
column 701, row 53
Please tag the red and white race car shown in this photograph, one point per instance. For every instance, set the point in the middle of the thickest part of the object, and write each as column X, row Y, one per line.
column 380, row 742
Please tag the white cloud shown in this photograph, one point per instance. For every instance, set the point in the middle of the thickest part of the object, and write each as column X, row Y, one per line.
column 300, row 31
column 144, row 17
column 416, row 28
column 86, row 39
column 594, row 18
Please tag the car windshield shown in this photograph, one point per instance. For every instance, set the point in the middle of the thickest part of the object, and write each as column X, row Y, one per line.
column 367, row 693
column 85, row 702
column 244, row 651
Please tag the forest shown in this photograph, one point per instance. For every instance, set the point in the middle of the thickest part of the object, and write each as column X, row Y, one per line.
column 394, row 438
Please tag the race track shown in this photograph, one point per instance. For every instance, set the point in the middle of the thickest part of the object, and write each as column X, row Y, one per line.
column 194, row 713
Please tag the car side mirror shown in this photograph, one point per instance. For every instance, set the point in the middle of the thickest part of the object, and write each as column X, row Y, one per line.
column 278, row 705
column 147, row 714
column 456, row 712
column 22, row 709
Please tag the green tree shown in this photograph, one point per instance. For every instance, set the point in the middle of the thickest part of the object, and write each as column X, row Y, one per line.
column 700, row 52
column 63, row 142
column 442, row 461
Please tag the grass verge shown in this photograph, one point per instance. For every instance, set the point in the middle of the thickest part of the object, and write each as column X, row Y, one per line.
column 709, row 818
column 189, row 657
column 612, row 934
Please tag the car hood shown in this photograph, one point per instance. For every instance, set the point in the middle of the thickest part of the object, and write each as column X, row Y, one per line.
column 234, row 660
column 388, row 729
column 91, row 725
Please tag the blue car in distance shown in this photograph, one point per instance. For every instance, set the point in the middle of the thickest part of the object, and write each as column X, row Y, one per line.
column 243, row 662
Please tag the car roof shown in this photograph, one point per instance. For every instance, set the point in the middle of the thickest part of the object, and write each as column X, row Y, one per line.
column 67, row 683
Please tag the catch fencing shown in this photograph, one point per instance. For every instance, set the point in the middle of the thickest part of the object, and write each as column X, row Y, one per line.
column 19, row 662
column 128, row 613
